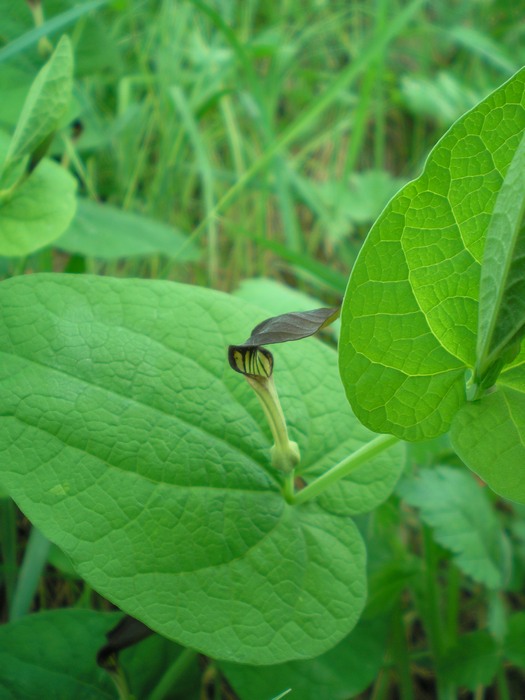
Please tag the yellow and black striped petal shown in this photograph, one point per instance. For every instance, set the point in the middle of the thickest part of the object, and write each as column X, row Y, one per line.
column 251, row 361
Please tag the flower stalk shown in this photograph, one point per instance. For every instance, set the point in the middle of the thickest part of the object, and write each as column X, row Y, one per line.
column 285, row 453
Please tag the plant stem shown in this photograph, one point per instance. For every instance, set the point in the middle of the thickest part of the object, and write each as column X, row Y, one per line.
column 285, row 452
column 345, row 467
column 8, row 547
column 445, row 689
column 400, row 656
column 451, row 620
column 172, row 675
column 503, row 688
column 381, row 685
column 121, row 684
column 35, row 559
column 288, row 487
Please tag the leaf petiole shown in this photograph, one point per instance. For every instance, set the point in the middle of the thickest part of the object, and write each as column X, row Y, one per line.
column 345, row 467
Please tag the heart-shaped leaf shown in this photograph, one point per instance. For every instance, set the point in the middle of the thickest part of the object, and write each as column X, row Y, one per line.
column 129, row 441
column 410, row 315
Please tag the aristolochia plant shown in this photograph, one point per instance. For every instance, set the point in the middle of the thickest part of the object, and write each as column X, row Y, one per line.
column 435, row 309
column 127, row 439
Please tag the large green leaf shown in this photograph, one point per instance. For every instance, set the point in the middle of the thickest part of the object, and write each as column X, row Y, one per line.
column 129, row 441
column 45, row 104
column 106, row 232
column 342, row 672
column 52, row 655
column 410, row 314
column 458, row 511
column 38, row 211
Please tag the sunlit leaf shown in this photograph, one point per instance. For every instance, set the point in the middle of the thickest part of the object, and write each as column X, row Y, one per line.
column 410, row 314
column 129, row 441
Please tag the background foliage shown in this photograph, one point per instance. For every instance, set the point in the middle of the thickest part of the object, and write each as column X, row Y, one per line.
column 248, row 147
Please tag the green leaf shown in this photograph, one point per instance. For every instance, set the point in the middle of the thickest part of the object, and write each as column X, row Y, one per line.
column 48, row 28
column 45, row 104
column 14, row 86
column 343, row 672
column 410, row 313
column 462, row 519
column 502, row 286
column 489, row 436
column 52, row 654
column 108, row 233
column 38, row 211
column 129, row 441
column 473, row 662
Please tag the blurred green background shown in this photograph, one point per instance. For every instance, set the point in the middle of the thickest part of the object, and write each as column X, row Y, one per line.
column 257, row 138
column 248, row 146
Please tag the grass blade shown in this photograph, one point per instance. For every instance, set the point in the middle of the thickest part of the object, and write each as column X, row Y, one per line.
column 52, row 26
column 35, row 559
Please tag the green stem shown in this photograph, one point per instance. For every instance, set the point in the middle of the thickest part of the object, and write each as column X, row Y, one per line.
column 503, row 688
column 35, row 559
column 118, row 677
column 345, row 467
column 433, row 616
column 400, row 655
column 285, row 452
column 288, row 486
column 445, row 689
column 381, row 685
column 166, row 686
column 8, row 547
column 451, row 620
